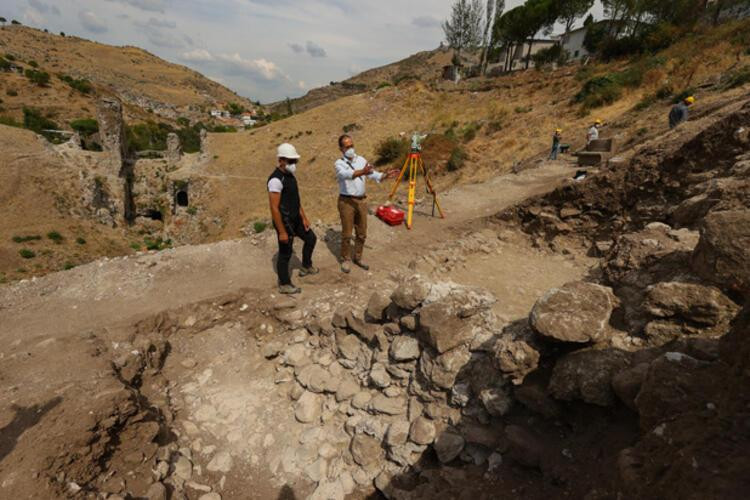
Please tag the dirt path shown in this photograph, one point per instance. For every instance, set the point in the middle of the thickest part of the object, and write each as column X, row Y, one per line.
column 118, row 291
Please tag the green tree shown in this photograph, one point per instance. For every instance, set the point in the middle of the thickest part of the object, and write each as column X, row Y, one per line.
column 521, row 24
column 235, row 109
column 15, row 22
column 85, row 126
column 3, row 21
column 41, row 78
column 572, row 10
column 463, row 30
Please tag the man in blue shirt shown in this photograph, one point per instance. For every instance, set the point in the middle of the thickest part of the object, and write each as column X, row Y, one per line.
column 352, row 172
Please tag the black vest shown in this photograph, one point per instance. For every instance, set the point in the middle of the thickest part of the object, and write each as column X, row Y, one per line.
column 290, row 204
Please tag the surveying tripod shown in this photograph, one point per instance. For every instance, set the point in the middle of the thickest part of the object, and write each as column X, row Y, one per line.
column 414, row 164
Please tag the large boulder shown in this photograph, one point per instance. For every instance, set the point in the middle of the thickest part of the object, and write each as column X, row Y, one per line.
column 587, row 375
column 689, row 302
column 722, row 255
column 577, row 312
column 440, row 328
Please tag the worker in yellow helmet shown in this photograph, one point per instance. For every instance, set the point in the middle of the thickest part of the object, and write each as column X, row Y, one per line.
column 556, row 138
column 593, row 133
column 679, row 112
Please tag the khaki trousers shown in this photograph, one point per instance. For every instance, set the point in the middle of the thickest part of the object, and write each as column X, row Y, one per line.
column 353, row 218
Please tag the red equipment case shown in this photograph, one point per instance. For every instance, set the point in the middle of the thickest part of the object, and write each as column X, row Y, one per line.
column 390, row 215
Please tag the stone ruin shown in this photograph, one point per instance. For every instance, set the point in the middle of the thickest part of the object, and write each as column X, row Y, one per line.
column 112, row 134
column 174, row 150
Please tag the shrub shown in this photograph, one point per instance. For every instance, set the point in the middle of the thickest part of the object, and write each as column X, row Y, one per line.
column 85, row 126
column 645, row 103
column 183, row 122
column 259, row 227
column 192, row 210
column 80, row 241
column 11, row 92
column 24, row 239
column 157, row 244
column 351, row 127
column 391, row 149
column 403, row 78
column 33, row 64
column 470, row 131
column 523, row 109
column 235, row 109
column 148, row 136
column 599, row 91
column 33, row 120
column 4, row 64
column 223, row 129
column 26, row 253
column 68, row 266
column 55, row 236
column 383, row 85
column 40, row 78
column 10, row 57
column 135, row 246
column 554, row 54
column 664, row 92
column 457, row 159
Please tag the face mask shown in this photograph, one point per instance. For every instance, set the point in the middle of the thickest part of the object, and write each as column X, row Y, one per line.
column 291, row 168
column 350, row 153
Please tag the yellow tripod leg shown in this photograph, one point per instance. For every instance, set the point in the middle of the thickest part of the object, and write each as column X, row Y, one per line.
column 412, row 189
column 400, row 178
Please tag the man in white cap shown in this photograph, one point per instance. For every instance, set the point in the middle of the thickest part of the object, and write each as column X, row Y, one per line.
column 289, row 218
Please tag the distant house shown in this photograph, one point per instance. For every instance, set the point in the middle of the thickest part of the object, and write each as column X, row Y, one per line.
column 216, row 113
column 572, row 42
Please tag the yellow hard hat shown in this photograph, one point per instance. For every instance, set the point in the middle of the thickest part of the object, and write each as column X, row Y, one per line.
column 559, row 130
column 690, row 100
column 598, row 121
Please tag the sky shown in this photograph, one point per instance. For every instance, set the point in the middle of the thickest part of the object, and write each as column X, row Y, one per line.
column 263, row 49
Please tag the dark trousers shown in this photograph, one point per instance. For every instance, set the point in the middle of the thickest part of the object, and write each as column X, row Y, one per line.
column 294, row 228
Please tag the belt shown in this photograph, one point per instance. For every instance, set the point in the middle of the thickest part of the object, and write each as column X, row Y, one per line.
column 353, row 197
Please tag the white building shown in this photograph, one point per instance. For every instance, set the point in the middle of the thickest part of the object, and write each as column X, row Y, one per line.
column 573, row 43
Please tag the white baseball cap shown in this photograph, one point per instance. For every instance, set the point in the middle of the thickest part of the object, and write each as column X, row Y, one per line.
column 286, row 150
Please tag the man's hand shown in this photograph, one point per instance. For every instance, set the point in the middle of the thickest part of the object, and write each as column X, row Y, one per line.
column 392, row 174
column 368, row 169
column 306, row 223
column 284, row 237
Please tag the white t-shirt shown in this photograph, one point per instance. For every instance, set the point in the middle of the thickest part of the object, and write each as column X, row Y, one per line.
column 275, row 185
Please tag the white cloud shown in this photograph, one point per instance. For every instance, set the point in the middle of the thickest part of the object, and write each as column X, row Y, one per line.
column 161, row 23
column 255, row 68
column 91, row 22
column 197, row 55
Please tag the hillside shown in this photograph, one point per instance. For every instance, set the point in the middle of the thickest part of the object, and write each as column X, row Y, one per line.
column 148, row 85
column 424, row 66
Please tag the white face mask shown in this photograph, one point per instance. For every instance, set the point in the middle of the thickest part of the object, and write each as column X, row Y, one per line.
column 291, row 168
column 350, row 153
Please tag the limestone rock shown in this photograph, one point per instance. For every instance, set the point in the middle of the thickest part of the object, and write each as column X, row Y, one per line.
column 422, row 431
column 389, row 406
column 379, row 376
column 349, row 346
column 411, row 292
column 183, row 468
column 376, row 306
column 587, row 375
column 398, row 433
column 404, row 348
column 316, row 379
column 221, row 462
column 307, row 408
column 722, row 255
column 577, row 312
column 347, row 389
column 461, row 394
column 441, row 329
column 449, row 446
column 442, row 370
column 694, row 303
column 361, row 400
column 363, row 330
column 157, row 491
column 460, row 300
column 515, row 358
column 366, row 450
